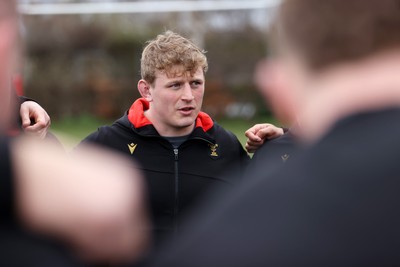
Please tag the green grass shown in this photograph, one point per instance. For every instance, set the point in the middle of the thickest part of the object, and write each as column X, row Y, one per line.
column 71, row 130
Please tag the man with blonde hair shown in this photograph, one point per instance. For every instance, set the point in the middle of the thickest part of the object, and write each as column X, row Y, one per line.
column 181, row 150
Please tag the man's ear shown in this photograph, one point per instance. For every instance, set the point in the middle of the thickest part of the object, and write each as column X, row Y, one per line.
column 144, row 90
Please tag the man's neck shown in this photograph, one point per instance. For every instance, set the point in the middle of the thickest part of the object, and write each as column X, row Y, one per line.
column 166, row 130
column 372, row 84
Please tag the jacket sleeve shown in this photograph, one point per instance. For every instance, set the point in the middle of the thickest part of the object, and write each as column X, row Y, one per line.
column 91, row 138
column 244, row 160
column 243, row 157
column 6, row 182
column 96, row 138
column 23, row 99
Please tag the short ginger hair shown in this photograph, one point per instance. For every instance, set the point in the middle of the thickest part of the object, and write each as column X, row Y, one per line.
column 325, row 32
column 169, row 50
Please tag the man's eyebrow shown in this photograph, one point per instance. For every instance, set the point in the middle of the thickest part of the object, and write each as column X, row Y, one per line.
column 175, row 81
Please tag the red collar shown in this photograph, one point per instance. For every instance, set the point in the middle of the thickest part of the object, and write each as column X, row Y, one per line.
column 138, row 119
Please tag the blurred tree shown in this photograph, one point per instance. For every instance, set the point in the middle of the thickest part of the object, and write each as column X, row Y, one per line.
column 90, row 63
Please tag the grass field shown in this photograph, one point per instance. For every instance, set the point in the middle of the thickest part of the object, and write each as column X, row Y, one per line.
column 71, row 130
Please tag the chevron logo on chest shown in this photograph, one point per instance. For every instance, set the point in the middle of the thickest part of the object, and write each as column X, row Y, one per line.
column 132, row 147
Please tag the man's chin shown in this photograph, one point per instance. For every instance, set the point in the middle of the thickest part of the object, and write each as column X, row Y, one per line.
column 189, row 122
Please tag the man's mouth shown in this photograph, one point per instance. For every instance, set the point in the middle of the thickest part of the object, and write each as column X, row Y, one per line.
column 186, row 109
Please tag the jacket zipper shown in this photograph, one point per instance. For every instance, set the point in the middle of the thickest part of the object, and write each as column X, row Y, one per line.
column 176, row 184
column 176, row 202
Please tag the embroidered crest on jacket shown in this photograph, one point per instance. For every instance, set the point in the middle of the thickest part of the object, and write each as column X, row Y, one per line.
column 213, row 149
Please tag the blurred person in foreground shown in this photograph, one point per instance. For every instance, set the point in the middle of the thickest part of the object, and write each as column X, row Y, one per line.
column 184, row 153
column 336, row 71
column 57, row 210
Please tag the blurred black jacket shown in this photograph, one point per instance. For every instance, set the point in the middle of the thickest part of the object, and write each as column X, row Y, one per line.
column 273, row 154
column 336, row 204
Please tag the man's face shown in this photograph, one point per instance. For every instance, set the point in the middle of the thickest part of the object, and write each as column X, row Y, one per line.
column 176, row 101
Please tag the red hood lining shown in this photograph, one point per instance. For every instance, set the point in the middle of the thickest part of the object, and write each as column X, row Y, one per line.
column 138, row 119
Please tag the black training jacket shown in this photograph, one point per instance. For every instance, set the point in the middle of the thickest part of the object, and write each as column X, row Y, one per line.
column 176, row 178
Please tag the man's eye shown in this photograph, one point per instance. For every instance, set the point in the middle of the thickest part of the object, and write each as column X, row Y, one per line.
column 195, row 84
column 175, row 85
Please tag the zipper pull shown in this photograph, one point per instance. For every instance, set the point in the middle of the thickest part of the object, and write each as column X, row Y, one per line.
column 176, row 153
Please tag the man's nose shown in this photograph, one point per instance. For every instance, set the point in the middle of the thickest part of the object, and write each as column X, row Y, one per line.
column 187, row 94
